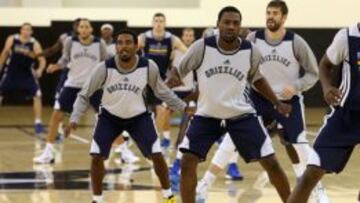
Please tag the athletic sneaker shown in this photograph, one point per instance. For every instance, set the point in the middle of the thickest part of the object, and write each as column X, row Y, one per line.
column 319, row 194
column 233, row 172
column 39, row 128
column 127, row 156
column 46, row 157
column 171, row 199
column 165, row 143
column 175, row 169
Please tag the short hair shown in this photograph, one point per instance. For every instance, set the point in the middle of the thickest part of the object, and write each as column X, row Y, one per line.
column 77, row 20
column 83, row 19
column 128, row 32
column 279, row 4
column 228, row 9
column 26, row 24
column 159, row 15
column 188, row 29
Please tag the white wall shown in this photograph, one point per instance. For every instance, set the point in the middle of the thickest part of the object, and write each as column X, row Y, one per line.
column 303, row 13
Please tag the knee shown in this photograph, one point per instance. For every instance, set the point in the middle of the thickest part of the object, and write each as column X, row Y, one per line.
column 57, row 115
column 97, row 160
column 272, row 165
column 189, row 162
column 311, row 174
column 156, row 158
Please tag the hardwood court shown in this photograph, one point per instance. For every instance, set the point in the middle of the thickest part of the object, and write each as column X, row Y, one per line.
column 67, row 181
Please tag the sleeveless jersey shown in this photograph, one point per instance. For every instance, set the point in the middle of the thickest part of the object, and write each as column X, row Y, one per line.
column 18, row 63
column 159, row 51
column 278, row 63
column 123, row 92
column 83, row 58
column 350, row 82
column 222, row 80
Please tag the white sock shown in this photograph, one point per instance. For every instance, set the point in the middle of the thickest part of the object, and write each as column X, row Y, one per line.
column 209, row 178
column 98, row 198
column 222, row 157
column 179, row 154
column 49, row 146
column 298, row 169
column 122, row 147
column 166, row 134
column 303, row 152
column 166, row 193
column 38, row 121
column 234, row 158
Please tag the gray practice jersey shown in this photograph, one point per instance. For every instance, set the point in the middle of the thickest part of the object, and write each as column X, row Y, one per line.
column 222, row 76
column 188, row 81
column 123, row 94
column 282, row 59
column 81, row 59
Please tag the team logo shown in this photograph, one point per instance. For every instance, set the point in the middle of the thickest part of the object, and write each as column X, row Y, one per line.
column 227, row 62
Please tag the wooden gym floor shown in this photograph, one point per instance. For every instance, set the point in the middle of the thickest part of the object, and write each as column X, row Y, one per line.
column 66, row 181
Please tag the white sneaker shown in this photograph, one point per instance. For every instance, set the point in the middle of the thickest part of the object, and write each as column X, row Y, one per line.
column 319, row 194
column 201, row 191
column 128, row 157
column 46, row 157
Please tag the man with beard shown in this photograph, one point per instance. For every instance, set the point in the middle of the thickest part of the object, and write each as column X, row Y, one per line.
column 122, row 142
column 51, row 51
column 283, row 54
column 340, row 132
column 123, row 79
column 225, row 66
column 81, row 54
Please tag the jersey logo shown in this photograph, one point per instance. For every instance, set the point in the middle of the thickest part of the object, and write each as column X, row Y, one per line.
column 126, row 79
column 273, row 51
column 227, row 62
column 228, row 70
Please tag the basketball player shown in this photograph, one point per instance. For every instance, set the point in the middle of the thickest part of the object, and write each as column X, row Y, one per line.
column 106, row 32
column 157, row 44
column 121, row 143
column 283, row 53
column 123, row 79
column 19, row 73
column 233, row 172
column 225, row 65
column 51, row 51
column 58, row 47
column 188, row 87
column 81, row 54
column 340, row 132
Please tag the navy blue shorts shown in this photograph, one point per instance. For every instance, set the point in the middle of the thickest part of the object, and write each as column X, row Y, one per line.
column 141, row 129
column 26, row 83
column 292, row 126
column 247, row 132
column 68, row 96
column 151, row 99
column 183, row 94
column 336, row 140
